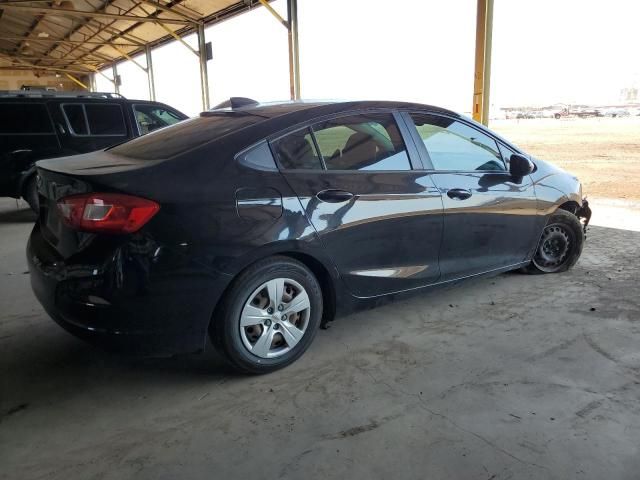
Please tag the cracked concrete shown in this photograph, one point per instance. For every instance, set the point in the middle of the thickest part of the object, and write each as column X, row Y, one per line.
column 522, row 377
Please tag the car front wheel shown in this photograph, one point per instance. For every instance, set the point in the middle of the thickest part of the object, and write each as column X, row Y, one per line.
column 560, row 245
column 269, row 317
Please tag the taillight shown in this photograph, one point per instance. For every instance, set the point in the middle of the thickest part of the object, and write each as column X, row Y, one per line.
column 106, row 212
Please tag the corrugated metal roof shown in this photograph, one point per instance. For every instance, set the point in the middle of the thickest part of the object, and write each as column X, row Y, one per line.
column 79, row 36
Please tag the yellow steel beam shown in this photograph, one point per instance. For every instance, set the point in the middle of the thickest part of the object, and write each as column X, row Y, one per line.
column 128, row 57
column 179, row 38
column 482, row 72
column 172, row 33
column 75, row 80
column 292, row 38
column 101, row 73
column 23, row 64
column 272, row 11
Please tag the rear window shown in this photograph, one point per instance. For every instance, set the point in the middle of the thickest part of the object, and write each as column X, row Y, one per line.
column 24, row 118
column 176, row 139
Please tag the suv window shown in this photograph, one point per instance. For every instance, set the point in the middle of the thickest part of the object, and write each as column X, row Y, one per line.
column 24, row 118
column 95, row 119
column 452, row 145
column 362, row 142
column 153, row 117
column 76, row 118
column 357, row 142
column 105, row 119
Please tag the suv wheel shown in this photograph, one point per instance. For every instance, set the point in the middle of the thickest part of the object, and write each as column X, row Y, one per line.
column 269, row 317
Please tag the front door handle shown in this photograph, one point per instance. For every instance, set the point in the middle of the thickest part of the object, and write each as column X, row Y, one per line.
column 458, row 193
column 334, row 196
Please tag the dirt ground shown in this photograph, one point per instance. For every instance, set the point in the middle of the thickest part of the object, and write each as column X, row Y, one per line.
column 603, row 152
column 512, row 377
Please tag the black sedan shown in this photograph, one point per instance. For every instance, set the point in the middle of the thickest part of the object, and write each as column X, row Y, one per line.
column 254, row 224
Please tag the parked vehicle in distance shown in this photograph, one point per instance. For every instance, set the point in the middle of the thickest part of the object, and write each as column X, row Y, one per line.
column 616, row 112
column 42, row 124
column 255, row 223
column 578, row 112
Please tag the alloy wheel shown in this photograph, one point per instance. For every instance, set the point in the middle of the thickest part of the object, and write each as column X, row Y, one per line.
column 274, row 318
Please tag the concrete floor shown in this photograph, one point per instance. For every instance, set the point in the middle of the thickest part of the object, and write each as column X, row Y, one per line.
column 512, row 377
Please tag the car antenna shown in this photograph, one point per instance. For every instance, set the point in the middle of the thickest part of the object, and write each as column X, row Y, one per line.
column 236, row 102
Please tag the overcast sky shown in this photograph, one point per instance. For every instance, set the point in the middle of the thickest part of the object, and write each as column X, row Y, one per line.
column 545, row 51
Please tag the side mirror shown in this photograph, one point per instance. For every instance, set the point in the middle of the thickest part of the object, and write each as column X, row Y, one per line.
column 519, row 165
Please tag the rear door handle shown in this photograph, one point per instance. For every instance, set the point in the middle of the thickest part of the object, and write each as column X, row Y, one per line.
column 334, row 196
column 458, row 193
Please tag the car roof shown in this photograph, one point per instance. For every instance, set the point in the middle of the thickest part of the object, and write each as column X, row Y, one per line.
column 319, row 107
column 248, row 123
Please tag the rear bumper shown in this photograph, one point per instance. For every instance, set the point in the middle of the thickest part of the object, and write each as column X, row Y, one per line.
column 156, row 306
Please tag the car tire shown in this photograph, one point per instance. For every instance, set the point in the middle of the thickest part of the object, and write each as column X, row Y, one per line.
column 256, row 328
column 560, row 244
column 30, row 193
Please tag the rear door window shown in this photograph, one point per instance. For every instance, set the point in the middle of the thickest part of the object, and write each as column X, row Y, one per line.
column 24, row 119
column 362, row 142
column 105, row 119
column 76, row 118
column 95, row 119
column 357, row 142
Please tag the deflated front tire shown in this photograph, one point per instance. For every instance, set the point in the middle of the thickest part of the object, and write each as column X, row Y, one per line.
column 560, row 244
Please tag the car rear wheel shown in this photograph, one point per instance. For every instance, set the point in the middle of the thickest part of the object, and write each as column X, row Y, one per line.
column 269, row 317
column 560, row 245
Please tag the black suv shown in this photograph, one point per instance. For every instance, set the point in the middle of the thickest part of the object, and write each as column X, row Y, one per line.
column 38, row 125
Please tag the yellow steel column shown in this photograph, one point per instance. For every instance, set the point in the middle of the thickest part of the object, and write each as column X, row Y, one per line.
column 292, row 36
column 294, row 49
column 150, row 76
column 204, row 74
column 482, row 73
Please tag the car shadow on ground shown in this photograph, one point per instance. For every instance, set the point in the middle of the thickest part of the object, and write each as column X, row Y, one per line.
column 57, row 363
